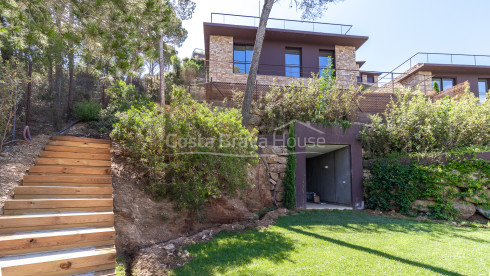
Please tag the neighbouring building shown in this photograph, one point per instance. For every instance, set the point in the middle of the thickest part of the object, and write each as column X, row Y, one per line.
column 447, row 70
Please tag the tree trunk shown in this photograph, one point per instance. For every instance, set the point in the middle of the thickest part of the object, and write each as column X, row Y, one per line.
column 70, row 83
column 254, row 65
column 58, row 90
column 29, row 93
column 162, row 71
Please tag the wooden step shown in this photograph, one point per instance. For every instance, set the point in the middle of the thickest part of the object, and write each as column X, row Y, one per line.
column 29, row 242
column 63, row 262
column 27, row 206
column 80, row 139
column 26, row 192
column 13, row 224
column 66, row 179
column 76, row 155
column 78, row 144
column 73, row 162
column 76, row 149
column 40, row 169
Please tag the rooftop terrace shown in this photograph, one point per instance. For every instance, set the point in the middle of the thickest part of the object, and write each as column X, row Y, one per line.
column 284, row 24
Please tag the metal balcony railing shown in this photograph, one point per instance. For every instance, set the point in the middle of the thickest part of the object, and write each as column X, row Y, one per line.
column 444, row 58
column 284, row 24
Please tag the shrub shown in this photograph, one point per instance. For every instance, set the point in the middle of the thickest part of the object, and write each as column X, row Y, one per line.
column 87, row 111
column 289, row 181
column 321, row 101
column 122, row 98
column 436, row 87
column 193, row 152
column 12, row 83
column 393, row 185
column 413, row 123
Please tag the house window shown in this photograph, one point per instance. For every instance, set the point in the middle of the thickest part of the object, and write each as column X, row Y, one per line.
column 370, row 79
column 293, row 62
column 326, row 60
column 443, row 83
column 242, row 57
column 482, row 90
column 359, row 79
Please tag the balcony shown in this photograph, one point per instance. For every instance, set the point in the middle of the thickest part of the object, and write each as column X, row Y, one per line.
column 281, row 24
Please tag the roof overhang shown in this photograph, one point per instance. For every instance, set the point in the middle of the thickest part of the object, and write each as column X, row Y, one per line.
column 246, row 32
column 450, row 69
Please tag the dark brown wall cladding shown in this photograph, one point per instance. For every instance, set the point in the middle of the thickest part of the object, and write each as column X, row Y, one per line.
column 329, row 136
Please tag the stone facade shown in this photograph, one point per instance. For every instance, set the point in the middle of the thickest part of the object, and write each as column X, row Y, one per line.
column 221, row 65
column 346, row 68
column 411, row 79
column 275, row 159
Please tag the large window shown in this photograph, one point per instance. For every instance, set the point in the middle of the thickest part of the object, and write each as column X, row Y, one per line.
column 482, row 89
column 326, row 60
column 443, row 83
column 242, row 57
column 293, row 62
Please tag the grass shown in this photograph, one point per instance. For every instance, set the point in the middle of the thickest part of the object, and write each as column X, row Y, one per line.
column 344, row 243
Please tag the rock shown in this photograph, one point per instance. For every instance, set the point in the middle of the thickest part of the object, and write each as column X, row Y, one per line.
column 254, row 120
column 279, row 196
column 475, row 199
column 466, row 210
column 272, row 181
column 277, row 168
column 169, row 246
column 483, row 212
column 271, row 159
column 422, row 205
column 274, row 176
column 451, row 190
column 282, row 160
column 282, row 175
column 204, row 237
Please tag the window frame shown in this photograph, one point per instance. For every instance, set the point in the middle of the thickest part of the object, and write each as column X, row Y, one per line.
column 300, row 66
column 441, row 82
column 332, row 56
column 247, row 47
column 484, row 96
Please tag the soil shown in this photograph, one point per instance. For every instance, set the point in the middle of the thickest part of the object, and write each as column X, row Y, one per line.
column 141, row 221
column 158, row 259
column 15, row 164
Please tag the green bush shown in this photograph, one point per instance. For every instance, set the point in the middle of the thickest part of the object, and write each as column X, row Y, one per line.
column 436, row 87
column 413, row 123
column 289, row 181
column 396, row 186
column 321, row 100
column 192, row 151
column 87, row 111
column 122, row 98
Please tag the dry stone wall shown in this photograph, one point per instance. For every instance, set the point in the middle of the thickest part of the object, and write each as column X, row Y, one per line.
column 275, row 159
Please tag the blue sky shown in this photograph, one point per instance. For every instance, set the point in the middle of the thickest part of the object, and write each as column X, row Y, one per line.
column 397, row 29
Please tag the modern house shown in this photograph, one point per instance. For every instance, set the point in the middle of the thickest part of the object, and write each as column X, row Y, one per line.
column 447, row 70
column 331, row 166
column 292, row 51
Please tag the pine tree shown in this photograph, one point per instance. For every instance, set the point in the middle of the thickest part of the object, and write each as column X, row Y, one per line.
column 289, row 181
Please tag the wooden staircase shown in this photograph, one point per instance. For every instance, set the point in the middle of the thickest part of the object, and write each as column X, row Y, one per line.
column 60, row 221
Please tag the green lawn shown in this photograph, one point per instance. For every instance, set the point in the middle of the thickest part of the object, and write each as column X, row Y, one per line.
column 344, row 243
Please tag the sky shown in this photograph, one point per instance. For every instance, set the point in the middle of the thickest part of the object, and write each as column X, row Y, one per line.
column 397, row 29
